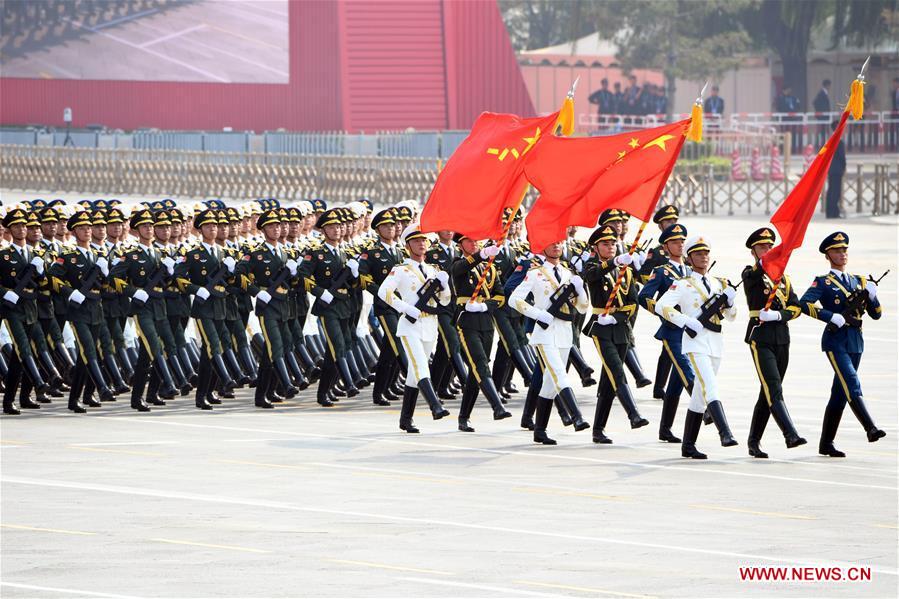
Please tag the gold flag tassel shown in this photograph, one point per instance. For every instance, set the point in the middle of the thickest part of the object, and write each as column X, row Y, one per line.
column 694, row 133
column 856, row 105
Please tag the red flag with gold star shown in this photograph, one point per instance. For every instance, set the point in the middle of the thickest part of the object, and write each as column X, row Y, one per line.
column 485, row 175
column 578, row 178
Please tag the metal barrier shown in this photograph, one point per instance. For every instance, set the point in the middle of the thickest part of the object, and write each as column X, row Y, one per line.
column 203, row 175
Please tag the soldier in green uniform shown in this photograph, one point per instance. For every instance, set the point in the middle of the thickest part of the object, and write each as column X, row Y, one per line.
column 475, row 324
column 79, row 274
column 330, row 275
column 202, row 274
column 236, row 352
column 448, row 358
column 610, row 331
column 297, row 307
column 768, row 336
column 374, row 266
column 268, row 274
column 20, row 273
column 140, row 274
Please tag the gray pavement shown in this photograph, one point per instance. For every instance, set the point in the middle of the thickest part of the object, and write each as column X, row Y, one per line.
column 305, row 501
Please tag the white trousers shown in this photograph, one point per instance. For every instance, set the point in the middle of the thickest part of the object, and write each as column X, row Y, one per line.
column 418, row 353
column 705, row 382
column 555, row 378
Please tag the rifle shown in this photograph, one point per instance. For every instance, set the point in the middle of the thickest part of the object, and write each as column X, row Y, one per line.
column 426, row 293
column 712, row 308
column 24, row 281
column 855, row 304
column 559, row 299
column 213, row 282
column 279, row 280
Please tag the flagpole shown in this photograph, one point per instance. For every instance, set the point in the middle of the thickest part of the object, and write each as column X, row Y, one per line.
column 854, row 106
column 569, row 97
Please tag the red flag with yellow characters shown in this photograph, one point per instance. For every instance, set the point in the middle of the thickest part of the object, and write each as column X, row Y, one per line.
column 578, row 178
column 485, row 174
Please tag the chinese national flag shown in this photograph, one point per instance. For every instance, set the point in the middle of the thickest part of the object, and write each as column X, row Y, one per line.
column 578, row 178
column 794, row 215
column 485, row 175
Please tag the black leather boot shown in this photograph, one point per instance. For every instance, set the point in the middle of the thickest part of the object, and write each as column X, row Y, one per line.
column 563, row 411
column 126, row 367
column 782, row 418
column 829, row 428
column 663, row 369
column 115, row 375
column 284, row 378
column 757, row 429
column 580, row 365
column 249, row 365
column 31, row 369
column 717, row 411
column 344, row 370
column 858, row 407
column 427, row 390
column 669, row 411
column 178, row 376
column 544, row 407
column 264, row 382
column 293, row 365
column 139, row 383
column 204, row 379
column 567, row 397
column 530, row 407
column 238, row 376
column 469, row 396
column 329, row 374
column 601, row 418
column 410, row 397
column 633, row 365
column 626, row 397
column 691, row 432
column 521, row 365
column 313, row 372
column 167, row 388
column 493, row 398
column 54, row 379
column 220, row 369
column 96, row 375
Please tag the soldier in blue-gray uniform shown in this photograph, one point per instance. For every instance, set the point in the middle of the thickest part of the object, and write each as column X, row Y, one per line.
column 672, row 240
column 841, row 300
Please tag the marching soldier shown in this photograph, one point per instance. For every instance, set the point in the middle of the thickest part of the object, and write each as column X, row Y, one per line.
column 842, row 299
column 329, row 276
column 664, row 217
column 140, row 275
column 202, row 274
column 610, row 331
column 672, row 240
column 768, row 336
column 475, row 325
column 78, row 274
column 269, row 272
column 553, row 337
column 20, row 275
column 682, row 305
column 417, row 329
column 448, row 359
column 375, row 265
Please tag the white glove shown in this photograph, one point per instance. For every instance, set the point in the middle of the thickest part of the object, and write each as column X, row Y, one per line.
column 326, row 296
column 639, row 259
column 769, row 315
column 103, row 265
column 412, row 312
column 490, row 250
column 578, row 283
column 291, row 266
column 38, row 263
column 731, row 295
column 475, row 307
column 838, row 319
column 872, row 290
column 263, row 296
column 605, row 320
column 203, row 293
column 443, row 277
column 353, row 265
column 11, row 296
column 140, row 295
column 230, row 263
column 693, row 324
column 169, row 264
column 585, row 256
column 623, row 259
column 76, row 297
column 544, row 317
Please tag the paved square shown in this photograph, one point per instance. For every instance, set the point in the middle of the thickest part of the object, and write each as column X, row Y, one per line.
column 306, row 501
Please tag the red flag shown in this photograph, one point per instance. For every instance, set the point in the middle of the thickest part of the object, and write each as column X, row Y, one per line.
column 793, row 216
column 485, row 175
column 578, row 178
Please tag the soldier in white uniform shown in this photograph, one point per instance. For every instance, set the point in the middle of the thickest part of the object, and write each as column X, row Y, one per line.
column 553, row 343
column 417, row 327
column 681, row 305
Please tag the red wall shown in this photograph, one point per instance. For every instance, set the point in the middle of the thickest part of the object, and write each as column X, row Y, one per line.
column 354, row 65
